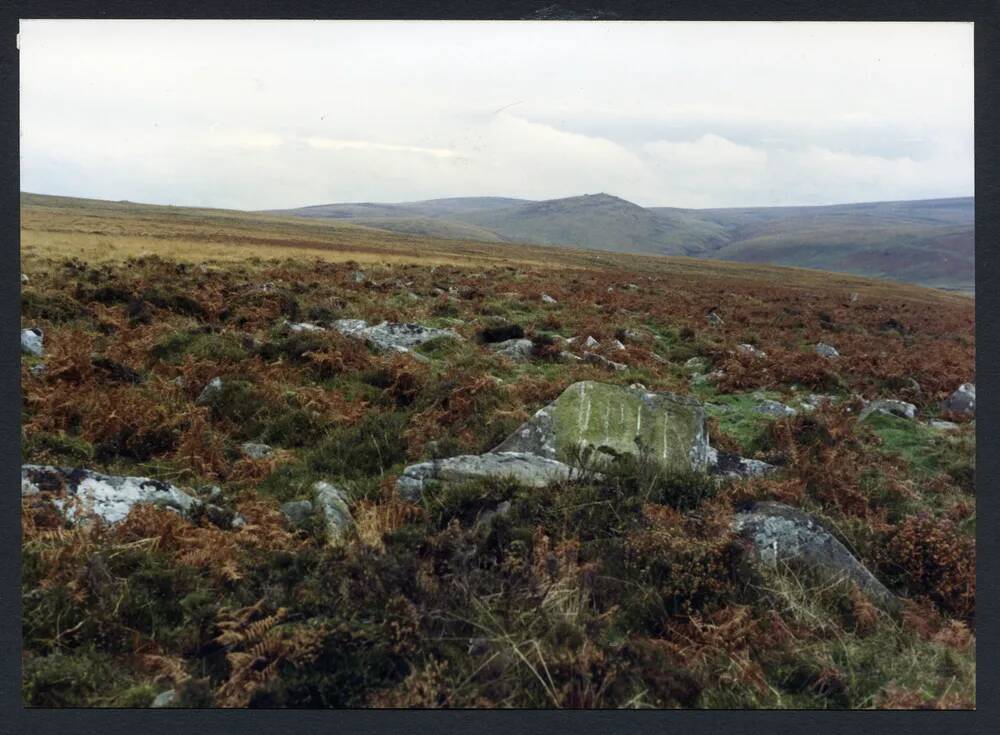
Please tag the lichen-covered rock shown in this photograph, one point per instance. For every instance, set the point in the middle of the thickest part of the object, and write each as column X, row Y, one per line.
column 213, row 388
column 778, row 533
column 304, row 327
column 593, row 357
column 82, row 495
column 734, row 466
column 528, row 469
column 768, row 407
column 591, row 342
column 610, row 420
column 297, row 511
column 332, row 503
column 514, row 349
column 254, row 450
column 963, row 400
column 889, row 407
column 697, row 365
column 32, row 342
column 390, row 336
column 827, row 351
column 751, row 351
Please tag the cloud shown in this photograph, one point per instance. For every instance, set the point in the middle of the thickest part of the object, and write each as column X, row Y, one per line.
column 274, row 114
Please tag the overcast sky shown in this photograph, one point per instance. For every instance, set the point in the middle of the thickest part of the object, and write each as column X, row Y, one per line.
column 260, row 114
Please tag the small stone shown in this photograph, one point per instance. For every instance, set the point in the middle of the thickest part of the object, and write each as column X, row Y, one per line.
column 889, row 407
column 617, row 345
column 596, row 359
column 942, row 425
column 514, row 349
column 715, row 320
column 751, row 351
column 332, row 503
column 591, row 342
column 963, row 400
column 304, row 327
column 165, row 699
column 256, row 451
column 31, row 342
column 358, row 277
column 24, row 278
column 548, row 299
column 774, row 408
column 297, row 511
column 213, row 388
column 827, row 351
column 38, row 370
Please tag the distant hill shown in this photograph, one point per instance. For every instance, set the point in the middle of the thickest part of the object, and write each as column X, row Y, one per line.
column 930, row 242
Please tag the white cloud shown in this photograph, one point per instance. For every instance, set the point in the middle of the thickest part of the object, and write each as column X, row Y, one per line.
column 271, row 114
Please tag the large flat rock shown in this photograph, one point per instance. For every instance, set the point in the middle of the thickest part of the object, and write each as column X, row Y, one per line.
column 527, row 469
column 609, row 420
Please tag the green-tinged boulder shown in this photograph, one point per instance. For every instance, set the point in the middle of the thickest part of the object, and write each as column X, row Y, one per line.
column 606, row 421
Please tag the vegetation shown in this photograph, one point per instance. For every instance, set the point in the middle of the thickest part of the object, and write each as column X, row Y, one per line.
column 620, row 590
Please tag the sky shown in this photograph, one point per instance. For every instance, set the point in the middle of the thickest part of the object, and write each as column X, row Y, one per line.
column 271, row 114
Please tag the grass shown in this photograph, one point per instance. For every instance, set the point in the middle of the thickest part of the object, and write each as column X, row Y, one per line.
column 621, row 591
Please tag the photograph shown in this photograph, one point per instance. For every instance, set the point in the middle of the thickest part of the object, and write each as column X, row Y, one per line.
column 540, row 364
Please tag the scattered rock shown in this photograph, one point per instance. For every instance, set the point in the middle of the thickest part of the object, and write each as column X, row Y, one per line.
column 715, row 320
column 391, row 336
column 601, row 360
column 963, row 400
column 591, row 342
column 165, row 699
column 827, row 351
column 24, row 279
column 942, row 425
column 38, row 370
column 854, row 298
column 615, row 344
column 774, row 408
column 609, row 420
column 213, row 388
column 528, row 469
column 569, row 357
column 515, row 349
column 548, row 299
column 31, row 342
column 780, row 533
column 889, row 407
column 751, row 351
column 815, row 400
column 224, row 517
column 82, row 495
column 332, row 503
column 712, row 377
column 637, row 386
column 304, row 327
column 297, row 511
column 735, row 466
column 358, row 277
column 697, row 364
column 256, row 451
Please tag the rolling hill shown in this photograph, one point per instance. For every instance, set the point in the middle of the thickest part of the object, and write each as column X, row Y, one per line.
column 930, row 242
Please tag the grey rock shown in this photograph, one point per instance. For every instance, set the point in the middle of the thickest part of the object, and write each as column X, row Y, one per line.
column 774, row 408
column 596, row 359
column 358, row 277
column 712, row 377
column 815, row 400
column 514, row 349
column 82, row 495
column 778, row 533
column 224, row 517
column 332, row 503
column 165, row 699
column 304, row 327
column 569, row 357
column 548, row 299
column 715, row 320
column 942, row 425
column 390, row 336
column 827, row 351
column 591, row 342
column 963, row 400
column 697, row 364
column 734, row 466
column 38, row 370
column 297, row 511
column 609, row 420
column 637, row 386
column 750, row 351
column 256, row 451
column 24, row 278
column 889, row 407
column 213, row 388
column 527, row 469
column 32, row 342
column 617, row 345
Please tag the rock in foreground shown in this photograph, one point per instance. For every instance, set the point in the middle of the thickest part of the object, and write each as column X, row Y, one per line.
column 778, row 533
column 81, row 495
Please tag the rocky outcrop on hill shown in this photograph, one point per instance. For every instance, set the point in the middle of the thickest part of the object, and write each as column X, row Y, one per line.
column 390, row 336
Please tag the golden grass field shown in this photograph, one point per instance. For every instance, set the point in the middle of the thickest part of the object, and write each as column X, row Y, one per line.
column 98, row 231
